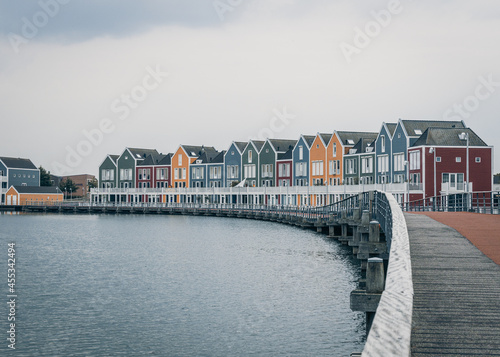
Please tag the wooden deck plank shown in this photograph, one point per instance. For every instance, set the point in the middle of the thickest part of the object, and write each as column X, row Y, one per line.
column 456, row 307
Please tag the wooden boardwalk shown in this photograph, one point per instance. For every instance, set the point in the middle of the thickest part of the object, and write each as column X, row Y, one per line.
column 456, row 306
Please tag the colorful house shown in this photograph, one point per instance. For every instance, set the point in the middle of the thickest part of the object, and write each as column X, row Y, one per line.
column 32, row 195
column 342, row 142
column 108, row 177
column 442, row 159
column 284, row 166
column 145, row 171
column 383, row 153
column 81, row 182
column 127, row 164
column 163, row 171
column 182, row 160
column 406, row 134
column 301, row 160
column 359, row 163
column 319, row 160
column 199, row 170
column 268, row 157
column 232, row 163
column 215, row 170
column 250, row 162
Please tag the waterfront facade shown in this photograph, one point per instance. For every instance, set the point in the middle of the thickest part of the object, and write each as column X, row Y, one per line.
column 396, row 159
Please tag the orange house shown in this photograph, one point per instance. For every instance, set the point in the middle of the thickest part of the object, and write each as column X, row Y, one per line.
column 318, row 160
column 32, row 195
column 182, row 160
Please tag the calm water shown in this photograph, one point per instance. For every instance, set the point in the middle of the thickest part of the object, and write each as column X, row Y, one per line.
column 104, row 285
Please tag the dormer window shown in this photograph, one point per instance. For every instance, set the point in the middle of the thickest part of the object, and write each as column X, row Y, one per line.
column 350, row 142
column 418, row 132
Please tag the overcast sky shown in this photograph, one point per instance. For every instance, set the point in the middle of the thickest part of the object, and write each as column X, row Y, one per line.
column 236, row 70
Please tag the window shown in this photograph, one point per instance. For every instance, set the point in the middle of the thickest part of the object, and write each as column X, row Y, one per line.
column 399, row 162
column 301, row 153
column 232, row 153
column 183, row 173
column 334, row 149
column 249, row 156
column 382, row 142
column 478, row 159
column 458, row 159
column 414, row 160
column 317, row 146
column 300, row 169
column 215, row 172
column 179, row 160
column 317, row 168
column 399, row 135
column 438, row 159
column 249, row 171
column 383, row 164
column 367, row 165
column 418, row 132
column 267, row 170
column 351, row 166
column 176, row 175
column 284, row 170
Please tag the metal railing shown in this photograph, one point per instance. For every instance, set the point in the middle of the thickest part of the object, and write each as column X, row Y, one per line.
column 479, row 202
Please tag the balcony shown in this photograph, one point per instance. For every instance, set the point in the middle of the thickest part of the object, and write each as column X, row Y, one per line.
column 455, row 187
column 416, row 186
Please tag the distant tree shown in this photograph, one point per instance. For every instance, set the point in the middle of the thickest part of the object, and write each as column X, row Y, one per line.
column 68, row 185
column 44, row 177
column 93, row 183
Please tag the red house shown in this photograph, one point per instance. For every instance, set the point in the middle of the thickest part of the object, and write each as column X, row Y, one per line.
column 284, row 167
column 163, row 172
column 443, row 160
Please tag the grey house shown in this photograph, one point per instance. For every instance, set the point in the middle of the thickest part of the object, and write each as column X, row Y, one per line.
column 108, row 176
column 17, row 172
column 268, row 157
column 232, row 163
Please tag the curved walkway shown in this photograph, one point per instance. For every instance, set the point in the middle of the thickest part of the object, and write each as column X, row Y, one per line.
column 456, row 306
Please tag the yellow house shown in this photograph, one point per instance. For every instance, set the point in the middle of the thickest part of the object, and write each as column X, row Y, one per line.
column 33, row 195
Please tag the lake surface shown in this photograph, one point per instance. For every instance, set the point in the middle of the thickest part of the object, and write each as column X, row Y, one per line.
column 134, row 285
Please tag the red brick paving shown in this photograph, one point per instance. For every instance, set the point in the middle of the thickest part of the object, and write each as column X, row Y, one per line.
column 483, row 230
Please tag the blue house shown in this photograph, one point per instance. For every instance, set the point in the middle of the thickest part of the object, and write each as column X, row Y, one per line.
column 407, row 132
column 198, row 170
column 383, row 152
column 215, row 170
column 17, row 172
column 301, row 160
column 232, row 163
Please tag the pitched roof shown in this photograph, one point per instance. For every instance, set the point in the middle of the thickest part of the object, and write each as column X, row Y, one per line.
column 17, row 163
column 151, row 160
column 114, row 158
column 37, row 189
column 309, row 139
column 219, row 159
column 448, row 137
column 417, row 127
column 258, row 144
column 207, row 157
column 141, row 154
column 286, row 155
column 362, row 145
column 166, row 160
column 240, row 145
column 196, row 150
column 350, row 138
column 391, row 127
column 326, row 137
column 282, row 145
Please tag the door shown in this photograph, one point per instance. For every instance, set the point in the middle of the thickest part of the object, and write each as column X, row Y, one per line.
column 14, row 200
column 9, row 200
